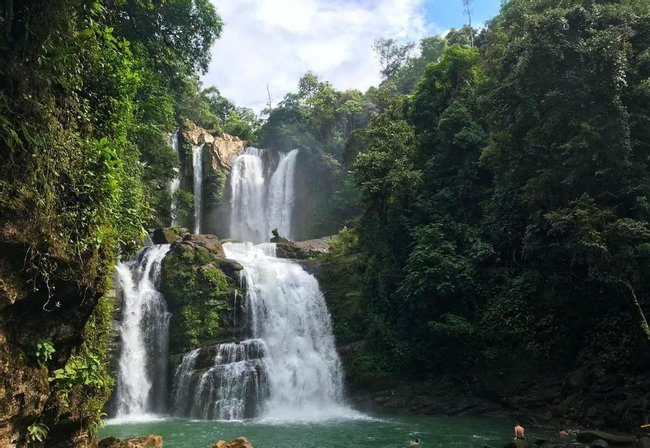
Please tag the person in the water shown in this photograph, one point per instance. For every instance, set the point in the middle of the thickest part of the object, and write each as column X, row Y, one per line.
column 519, row 431
column 415, row 442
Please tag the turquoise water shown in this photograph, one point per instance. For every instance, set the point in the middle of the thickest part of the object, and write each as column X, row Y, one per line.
column 389, row 432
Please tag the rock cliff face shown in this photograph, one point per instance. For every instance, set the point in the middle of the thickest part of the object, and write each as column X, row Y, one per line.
column 218, row 153
column 223, row 148
column 42, row 331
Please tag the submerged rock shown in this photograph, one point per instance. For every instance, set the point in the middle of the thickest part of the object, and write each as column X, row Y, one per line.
column 240, row 442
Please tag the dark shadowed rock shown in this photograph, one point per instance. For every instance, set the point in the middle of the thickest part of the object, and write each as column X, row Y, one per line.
column 289, row 250
column 599, row 443
column 166, row 235
column 230, row 267
column 612, row 439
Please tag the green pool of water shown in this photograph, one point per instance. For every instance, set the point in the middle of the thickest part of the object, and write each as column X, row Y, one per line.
column 441, row 432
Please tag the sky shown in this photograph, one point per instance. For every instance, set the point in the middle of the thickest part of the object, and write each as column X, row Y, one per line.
column 275, row 42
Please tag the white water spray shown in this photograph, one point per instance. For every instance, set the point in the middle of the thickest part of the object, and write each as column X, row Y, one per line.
column 247, row 219
column 197, row 168
column 144, row 333
column 175, row 183
column 289, row 316
column 258, row 204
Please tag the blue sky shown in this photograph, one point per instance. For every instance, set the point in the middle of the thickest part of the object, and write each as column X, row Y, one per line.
column 449, row 13
column 275, row 42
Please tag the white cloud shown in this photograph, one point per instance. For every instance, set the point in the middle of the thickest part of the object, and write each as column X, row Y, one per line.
column 276, row 41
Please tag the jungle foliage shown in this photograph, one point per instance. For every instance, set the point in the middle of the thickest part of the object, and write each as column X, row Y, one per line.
column 89, row 91
column 505, row 199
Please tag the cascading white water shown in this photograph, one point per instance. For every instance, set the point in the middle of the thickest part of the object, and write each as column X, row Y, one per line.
column 258, row 204
column 282, row 196
column 247, row 218
column 236, row 386
column 182, row 380
column 144, row 333
column 175, row 183
column 288, row 368
column 289, row 316
column 197, row 168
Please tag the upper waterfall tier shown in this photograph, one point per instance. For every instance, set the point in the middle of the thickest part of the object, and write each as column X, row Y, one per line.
column 262, row 201
column 175, row 183
column 197, row 170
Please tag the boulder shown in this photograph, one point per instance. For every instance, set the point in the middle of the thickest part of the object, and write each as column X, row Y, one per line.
column 316, row 246
column 166, row 235
column 240, row 442
column 289, row 250
column 211, row 243
column 230, row 267
column 141, row 442
column 611, row 439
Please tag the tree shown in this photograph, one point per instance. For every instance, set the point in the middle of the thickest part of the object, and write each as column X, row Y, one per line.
column 392, row 56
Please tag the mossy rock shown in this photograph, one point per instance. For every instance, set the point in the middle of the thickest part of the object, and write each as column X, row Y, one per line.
column 200, row 296
column 167, row 235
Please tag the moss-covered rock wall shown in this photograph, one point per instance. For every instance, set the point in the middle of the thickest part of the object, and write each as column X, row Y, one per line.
column 201, row 288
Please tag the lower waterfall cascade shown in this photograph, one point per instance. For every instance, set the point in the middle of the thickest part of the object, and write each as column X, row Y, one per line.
column 144, row 333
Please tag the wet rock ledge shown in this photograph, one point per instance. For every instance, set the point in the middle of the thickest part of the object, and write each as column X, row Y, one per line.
column 157, row 442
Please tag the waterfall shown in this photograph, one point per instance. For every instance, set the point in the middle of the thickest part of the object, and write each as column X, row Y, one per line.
column 182, row 382
column 144, row 333
column 247, row 220
column 259, row 204
column 288, row 314
column 235, row 386
column 282, row 197
column 175, row 183
column 287, row 367
column 197, row 168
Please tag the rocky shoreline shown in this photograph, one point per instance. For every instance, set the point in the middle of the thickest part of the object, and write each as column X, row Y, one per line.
column 154, row 441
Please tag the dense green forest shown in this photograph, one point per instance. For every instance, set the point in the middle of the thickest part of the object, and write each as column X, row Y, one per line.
column 496, row 192
column 490, row 197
